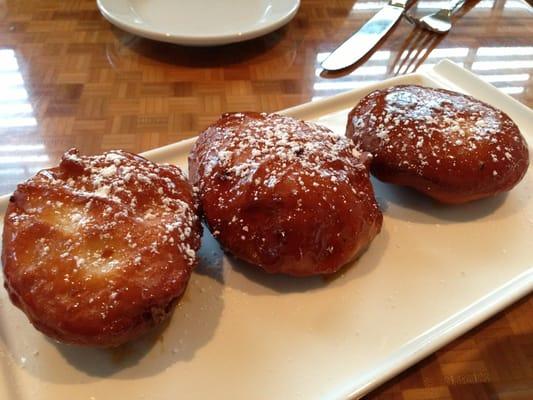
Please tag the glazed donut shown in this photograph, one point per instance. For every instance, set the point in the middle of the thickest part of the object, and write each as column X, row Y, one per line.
column 446, row 145
column 100, row 248
column 283, row 194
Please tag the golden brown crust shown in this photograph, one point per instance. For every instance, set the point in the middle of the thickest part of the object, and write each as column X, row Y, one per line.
column 284, row 194
column 99, row 249
column 449, row 146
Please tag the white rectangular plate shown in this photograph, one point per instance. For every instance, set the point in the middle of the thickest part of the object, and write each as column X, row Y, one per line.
column 433, row 273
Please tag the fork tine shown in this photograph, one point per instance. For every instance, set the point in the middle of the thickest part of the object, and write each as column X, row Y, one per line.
column 410, row 50
column 423, row 52
column 393, row 66
column 433, row 43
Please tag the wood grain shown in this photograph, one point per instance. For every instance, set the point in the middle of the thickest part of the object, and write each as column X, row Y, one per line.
column 68, row 78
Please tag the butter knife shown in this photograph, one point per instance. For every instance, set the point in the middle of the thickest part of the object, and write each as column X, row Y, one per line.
column 364, row 40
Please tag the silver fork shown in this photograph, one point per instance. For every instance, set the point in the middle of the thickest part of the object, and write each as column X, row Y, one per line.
column 440, row 21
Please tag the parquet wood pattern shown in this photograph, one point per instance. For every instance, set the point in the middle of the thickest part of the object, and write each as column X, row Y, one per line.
column 70, row 79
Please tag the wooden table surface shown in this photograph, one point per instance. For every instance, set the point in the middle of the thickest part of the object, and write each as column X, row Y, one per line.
column 70, row 79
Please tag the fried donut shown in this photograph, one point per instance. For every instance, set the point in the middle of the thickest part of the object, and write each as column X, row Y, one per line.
column 446, row 145
column 100, row 248
column 285, row 195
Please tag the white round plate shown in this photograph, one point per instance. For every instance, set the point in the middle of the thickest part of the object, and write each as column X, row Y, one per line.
column 199, row 22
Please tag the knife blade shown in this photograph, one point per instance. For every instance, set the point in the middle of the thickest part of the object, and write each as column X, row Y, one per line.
column 364, row 40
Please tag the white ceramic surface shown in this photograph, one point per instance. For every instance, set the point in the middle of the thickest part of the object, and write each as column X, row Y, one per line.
column 199, row 22
column 433, row 273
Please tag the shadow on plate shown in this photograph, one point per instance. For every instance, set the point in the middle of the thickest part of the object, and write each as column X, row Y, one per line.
column 191, row 326
column 252, row 280
column 7, row 374
column 263, row 282
column 406, row 204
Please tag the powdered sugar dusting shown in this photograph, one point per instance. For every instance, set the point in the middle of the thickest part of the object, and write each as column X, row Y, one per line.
column 263, row 177
column 267, row 158
column 110, row 214
column 420, row 127
column 289, row 149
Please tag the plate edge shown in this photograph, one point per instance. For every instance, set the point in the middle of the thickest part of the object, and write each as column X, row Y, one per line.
column 198, row 41
column 452, row 328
